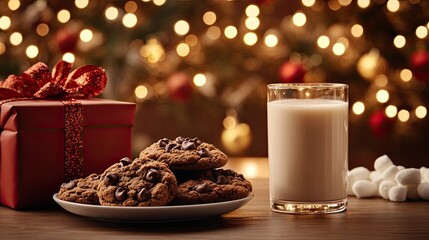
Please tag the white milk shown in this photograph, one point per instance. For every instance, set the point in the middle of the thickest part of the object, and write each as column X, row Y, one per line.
column 307, row 151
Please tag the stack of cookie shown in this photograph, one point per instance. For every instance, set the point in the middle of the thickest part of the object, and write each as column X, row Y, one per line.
column 169, row 172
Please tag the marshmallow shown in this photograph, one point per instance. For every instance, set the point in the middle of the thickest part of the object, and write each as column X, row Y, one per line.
column 425, row 175
column 423, row 190
column 382, row 163
column 356, row 174
column 400, row 168
column 364, row 189
column 398, row 193
column 384, row 188
column 390, row 173
column 374, row 175
column 408, row 176
column 412, row 192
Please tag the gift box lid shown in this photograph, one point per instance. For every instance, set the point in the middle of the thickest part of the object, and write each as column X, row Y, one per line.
column 49, row 114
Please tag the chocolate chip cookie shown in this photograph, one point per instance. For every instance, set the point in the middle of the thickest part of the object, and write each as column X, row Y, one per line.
column 185, row 154
column 82, row 190
column 210, row 186
column 142, row 182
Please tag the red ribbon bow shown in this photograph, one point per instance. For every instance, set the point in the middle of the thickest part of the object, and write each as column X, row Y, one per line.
column 38, row 82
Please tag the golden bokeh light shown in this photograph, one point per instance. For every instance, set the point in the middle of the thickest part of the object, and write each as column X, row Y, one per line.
column 141, row 91
column 358, row 108
column 382, row 96
column 32, row 51
column 252, row 11
column 63, row 16
column 69, row 57
column 42, row 29
column 182, row 49
column 323, row 41
column 406, row 75
column 86, row 35
column 356, row 30
column 399, row 41
column 129, row 20
column 252, row 23
column 271, row 40
column 181, row 27
column 421, row 112
column 299, row 19
column 403, row 115
column 250, row 38
column 5, row 22
column 391, row 111
column 111, row 13
column 130, row 7
column 230, row 32
column 14, row 4
column 209, row 18
column 15, row 38
column 213, row 32
column 200, row 79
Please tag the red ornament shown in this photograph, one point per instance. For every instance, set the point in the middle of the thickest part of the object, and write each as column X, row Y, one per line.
column 419, row 65
column 380, row 124
column 179, row 86
column 291, row 72
column 66, row 40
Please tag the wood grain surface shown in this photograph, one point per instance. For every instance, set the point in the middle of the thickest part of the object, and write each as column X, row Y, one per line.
column 365, row 219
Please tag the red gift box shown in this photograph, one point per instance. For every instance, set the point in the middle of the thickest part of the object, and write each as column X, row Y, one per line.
column 32, row 163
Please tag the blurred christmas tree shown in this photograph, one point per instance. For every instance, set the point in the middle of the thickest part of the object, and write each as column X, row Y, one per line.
column 200, row 68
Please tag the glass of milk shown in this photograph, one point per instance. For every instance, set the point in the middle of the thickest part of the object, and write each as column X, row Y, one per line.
column 308, row 147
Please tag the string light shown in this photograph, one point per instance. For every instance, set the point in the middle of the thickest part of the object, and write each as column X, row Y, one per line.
column 271, row 40
column 382, row 96
column 69, row 57
column 252, row 11
column 213, row 32
column 2, row 48
column 152, row 51
column 181, row 27
column 323, row 41
column 338, row 49
column 81, row 3
column 159, row 2
column 393, row 5
column 299, row 19
column 86, row 35
column 13, row 4
column 209, row 18
column 363, row 3
column 308, row 3
column 111, row 13
column 182, row 49
column 399, row 41
column 130, row 7
column 230, row 32
column 345, row 3
column 421, row 32
column 229, row 122
column 63, row 16
column 129, row 20
column 42, row 29
column 406, row 75
column 358, row 108
column 421, row 112
column 32, row 51
column 252, row 23
column 356, row 30
column 15, row 38
column 380, row 80
column 391, row 111
column 191, row 40
column 141, row 91
column 5, row 22
column 250, row 38
column 200, row 79
column 403, row 115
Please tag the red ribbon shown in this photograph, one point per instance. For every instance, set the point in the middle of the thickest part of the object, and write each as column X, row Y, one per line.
column 38, row 82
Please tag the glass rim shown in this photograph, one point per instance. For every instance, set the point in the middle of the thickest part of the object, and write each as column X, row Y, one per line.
column 306, row 85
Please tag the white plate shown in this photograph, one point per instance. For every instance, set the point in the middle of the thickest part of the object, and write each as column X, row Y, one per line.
column 152, row 214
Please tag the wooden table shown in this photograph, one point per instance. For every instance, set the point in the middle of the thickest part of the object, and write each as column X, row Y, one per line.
column 365, row 219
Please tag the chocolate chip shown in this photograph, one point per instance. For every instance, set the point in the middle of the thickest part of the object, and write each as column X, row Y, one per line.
column 143, row 195
column 202, row 188
column 125, row 161
column 111, row 179
column 188, row 145
column 171, row 146
column 222, row 180
column 153, row 175
column 120, row 194
column 163, row 142
column 179, row 140
column 203, row 152
column 196, row 141
column 70, row 185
